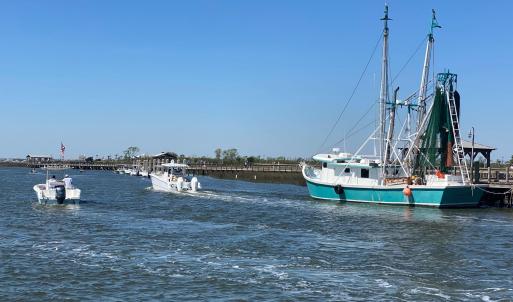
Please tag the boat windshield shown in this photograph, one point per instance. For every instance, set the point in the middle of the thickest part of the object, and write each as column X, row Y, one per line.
column 176, row 171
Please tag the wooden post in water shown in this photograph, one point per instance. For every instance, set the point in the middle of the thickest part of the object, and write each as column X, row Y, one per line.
column 477, row 175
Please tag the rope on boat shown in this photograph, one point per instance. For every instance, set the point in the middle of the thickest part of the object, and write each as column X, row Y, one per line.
column 490, row 192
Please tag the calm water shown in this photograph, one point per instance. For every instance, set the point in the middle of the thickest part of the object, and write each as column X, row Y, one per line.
column 242, row 241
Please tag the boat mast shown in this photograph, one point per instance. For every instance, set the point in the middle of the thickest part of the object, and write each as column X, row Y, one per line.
column 391, row 126
column 425, row 71
column 383, row 96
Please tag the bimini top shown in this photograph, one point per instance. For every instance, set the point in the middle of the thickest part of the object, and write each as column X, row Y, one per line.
column 173, row 165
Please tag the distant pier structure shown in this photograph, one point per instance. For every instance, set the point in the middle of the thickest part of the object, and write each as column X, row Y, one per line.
column 484, row 150
column 275, row 172
column 152, row 163
column 38, row 159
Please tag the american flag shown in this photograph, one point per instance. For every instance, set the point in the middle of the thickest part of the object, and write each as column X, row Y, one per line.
column 63, row 148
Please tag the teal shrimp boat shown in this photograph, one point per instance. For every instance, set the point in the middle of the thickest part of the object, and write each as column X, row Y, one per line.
column 422, row 164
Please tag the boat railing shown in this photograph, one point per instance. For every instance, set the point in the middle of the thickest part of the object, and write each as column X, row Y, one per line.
column 311, row 172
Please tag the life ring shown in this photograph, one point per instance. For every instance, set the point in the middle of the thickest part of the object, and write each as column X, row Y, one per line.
column 339, row 189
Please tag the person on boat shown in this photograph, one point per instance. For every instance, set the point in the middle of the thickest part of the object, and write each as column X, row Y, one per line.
column 52, row 181
column 67, row 181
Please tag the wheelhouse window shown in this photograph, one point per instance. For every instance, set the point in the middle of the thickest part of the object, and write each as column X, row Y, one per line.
column 324, row 165
column 347, row 170
column 365, row 173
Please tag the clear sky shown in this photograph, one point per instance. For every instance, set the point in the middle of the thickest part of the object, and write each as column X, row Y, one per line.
column 266, row 77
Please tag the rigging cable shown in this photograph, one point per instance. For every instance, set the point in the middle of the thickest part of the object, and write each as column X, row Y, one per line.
column 356, row 125
column 393, row 80
column 409, row 59
column 354, row 132
column 352, row 94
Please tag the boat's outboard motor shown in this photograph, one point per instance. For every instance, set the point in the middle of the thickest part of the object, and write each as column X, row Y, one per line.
column 194, row 184
column 179, row 184
column 60, row 194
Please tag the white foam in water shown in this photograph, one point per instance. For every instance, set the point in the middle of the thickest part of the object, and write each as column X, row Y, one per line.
column 255, row 242
column 430, row 291
column 382, row 283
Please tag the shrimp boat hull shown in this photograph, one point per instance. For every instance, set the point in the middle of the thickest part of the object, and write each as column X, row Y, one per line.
column 440, row 197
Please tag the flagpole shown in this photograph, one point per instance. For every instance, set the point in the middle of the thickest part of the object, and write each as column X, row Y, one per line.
column 63, row 148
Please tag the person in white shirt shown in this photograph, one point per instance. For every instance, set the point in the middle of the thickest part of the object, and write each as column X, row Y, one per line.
column 67, row 181
column 52, row 181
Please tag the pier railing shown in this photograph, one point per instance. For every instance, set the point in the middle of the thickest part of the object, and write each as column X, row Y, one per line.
column 276, row 167
column 286, row 168
column 496, row 175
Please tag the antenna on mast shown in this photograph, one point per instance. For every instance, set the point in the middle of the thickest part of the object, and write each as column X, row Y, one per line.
column 434, row 22
column 386, row 18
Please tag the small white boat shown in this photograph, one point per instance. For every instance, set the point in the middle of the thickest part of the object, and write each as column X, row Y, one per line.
column 128, row 171
column 144, row 173
column 173, row 178
column 135, row 170
column 57, row 192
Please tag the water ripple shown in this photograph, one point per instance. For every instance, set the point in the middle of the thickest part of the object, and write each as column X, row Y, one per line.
column 242, row 241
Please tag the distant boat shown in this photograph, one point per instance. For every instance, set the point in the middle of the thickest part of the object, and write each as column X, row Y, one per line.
column 120, row 170
column 173, row 178
column 426, row 166
column 134, row 171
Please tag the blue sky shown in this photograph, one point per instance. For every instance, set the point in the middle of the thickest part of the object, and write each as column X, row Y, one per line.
column 266, row 77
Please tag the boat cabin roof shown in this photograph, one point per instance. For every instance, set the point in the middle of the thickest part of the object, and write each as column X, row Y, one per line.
column 347, row 160
column 336, row 157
